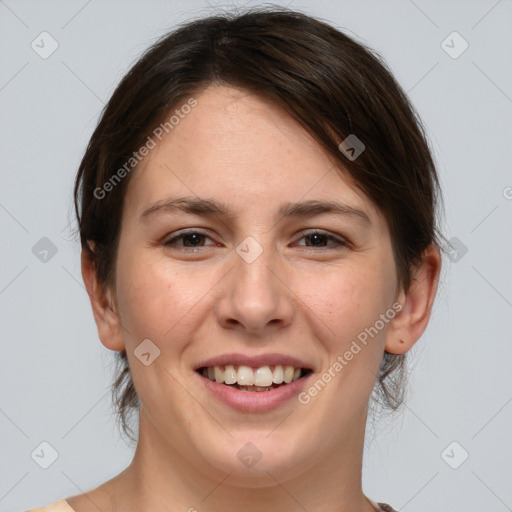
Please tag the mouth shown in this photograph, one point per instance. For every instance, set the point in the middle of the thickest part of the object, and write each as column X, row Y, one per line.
column 249, row 379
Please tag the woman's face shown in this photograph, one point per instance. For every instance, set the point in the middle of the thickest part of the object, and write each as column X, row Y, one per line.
column 267, row 283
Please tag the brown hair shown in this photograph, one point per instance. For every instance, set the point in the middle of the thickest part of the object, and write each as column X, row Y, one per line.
column 331, row 84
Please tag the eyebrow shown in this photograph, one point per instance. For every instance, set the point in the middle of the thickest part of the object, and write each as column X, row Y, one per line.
column 211, row 207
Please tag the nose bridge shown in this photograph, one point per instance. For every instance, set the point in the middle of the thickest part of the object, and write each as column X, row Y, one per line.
column 256, row 296
column 253, row 265
column 253, row 270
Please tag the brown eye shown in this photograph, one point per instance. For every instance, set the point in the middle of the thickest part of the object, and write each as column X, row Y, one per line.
column 319, row 238
column 190, row 239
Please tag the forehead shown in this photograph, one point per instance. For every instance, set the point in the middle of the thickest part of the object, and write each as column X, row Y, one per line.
column 243, row 149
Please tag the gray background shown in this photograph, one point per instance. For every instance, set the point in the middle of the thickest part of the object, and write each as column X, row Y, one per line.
column 55, row 374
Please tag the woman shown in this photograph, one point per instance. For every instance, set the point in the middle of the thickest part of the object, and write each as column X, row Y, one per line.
column 257, row 213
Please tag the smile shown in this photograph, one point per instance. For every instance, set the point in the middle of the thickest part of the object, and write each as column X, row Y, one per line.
column 245, row 378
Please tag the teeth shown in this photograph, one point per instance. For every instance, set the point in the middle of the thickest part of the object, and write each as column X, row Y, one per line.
column 219, row 374
column 263, row 377
column 278, row 377
column 258, row 379
column 229, row 374
column 255, row 388
column 288, row 374
column 245, row 376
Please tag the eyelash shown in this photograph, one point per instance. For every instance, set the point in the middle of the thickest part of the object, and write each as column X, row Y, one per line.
column 339, row 242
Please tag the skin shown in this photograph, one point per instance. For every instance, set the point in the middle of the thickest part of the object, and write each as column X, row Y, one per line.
column 296, row 298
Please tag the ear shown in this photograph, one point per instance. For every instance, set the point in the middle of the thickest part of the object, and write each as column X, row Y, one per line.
column 107, row 319
column 411, row 321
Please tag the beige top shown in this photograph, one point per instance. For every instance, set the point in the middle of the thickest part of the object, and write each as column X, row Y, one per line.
column 62, row 506
column 58, row 506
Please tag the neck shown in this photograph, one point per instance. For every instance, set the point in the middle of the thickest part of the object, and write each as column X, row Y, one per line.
column 160, row 479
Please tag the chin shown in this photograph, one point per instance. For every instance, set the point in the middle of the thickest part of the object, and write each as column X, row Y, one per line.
column 257, row 459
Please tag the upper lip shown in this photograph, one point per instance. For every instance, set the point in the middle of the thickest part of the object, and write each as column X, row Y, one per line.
column 254, row 361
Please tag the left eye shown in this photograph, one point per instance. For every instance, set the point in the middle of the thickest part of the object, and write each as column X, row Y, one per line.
column 317, row 238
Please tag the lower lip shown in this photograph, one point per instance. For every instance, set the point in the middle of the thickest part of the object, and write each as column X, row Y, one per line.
column 255, row 401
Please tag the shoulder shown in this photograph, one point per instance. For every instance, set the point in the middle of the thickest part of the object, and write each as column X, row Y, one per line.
column 58, row 506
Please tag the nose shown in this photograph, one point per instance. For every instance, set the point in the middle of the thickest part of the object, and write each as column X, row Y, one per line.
column 256, row 297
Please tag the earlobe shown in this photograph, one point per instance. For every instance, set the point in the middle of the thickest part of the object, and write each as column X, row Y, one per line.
column 410, row 323
column 398, row 346
column 105, row 314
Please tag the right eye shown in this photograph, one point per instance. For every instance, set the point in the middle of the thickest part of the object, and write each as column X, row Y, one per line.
column 192, row 240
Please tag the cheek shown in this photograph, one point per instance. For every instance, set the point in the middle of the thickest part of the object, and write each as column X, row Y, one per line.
column 350, row 302
column 156, row 299
column 147, row 296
